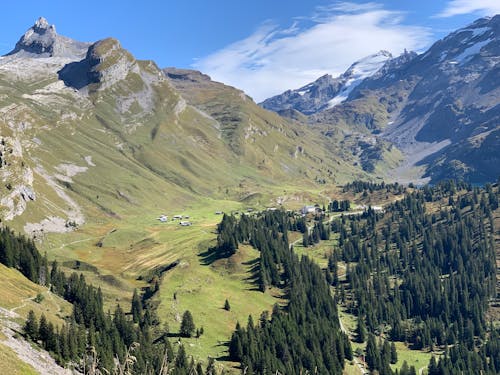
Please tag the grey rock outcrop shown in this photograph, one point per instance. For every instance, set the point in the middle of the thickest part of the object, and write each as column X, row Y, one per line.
column 42, row 40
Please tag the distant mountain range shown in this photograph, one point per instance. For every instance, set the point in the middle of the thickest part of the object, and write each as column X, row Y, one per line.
column 440, row 108
column 89, row 131
column 327, row 91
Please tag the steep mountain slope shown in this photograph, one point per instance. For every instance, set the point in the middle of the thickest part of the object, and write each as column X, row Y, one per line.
column 87, row 130
column 327, row 91
column 440, row 108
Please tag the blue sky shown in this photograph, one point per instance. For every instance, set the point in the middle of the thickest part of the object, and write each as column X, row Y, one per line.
column 263, row 47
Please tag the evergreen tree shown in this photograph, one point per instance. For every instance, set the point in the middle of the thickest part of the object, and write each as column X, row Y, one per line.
column 227, row 307
column 394, row 353
column 43, row 329
column 361, row 330
column 181, row 361
column 136, row 307
column 31, row 326
column 187, row 325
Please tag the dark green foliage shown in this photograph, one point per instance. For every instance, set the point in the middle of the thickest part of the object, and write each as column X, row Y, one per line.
column 339, row 206
column 88, row 326
column 227, row 306
column 429, row 256
column 365, row 186
column 361, row 330
column 136, row 307
column 187, row 325
column 394, row 353
column 427, row 277
column 461, row 360
column 31, row 326
column 305, row 335
column 20, row 253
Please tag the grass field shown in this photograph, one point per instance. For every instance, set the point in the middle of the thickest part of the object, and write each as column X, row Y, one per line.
column 202, row 288
column 17, row 295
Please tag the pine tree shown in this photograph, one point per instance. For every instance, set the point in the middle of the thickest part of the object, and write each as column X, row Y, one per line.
column 372, row 354
column 136, row 307
column 181, row 361
column 227, row 307
column 361, row 330
column 43, row 330
column 31, row 326
column 394, row 353
column 187, row 325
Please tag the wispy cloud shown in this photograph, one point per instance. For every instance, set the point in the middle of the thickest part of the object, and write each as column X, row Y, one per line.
column 483, row 7
column 276, row 58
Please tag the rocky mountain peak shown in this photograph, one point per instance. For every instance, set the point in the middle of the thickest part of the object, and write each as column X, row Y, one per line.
column 42, row 24
column 42, row 40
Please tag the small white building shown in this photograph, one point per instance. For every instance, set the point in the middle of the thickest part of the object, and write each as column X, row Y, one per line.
column 308, row 210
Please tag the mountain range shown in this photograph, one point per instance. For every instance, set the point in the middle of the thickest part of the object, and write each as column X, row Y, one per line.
column 100, row 151
column 439, row 108
column 89, row 131
column 81, row 120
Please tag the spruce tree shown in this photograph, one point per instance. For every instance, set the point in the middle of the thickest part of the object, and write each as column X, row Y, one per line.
column 361, row 330
column 31, row 326
column 227, row 307
column 394, row 353
column 187, row 325
column 136, row 307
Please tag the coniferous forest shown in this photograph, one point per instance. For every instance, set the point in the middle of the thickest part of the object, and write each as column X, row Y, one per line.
column 421, row 271
column 126, row 340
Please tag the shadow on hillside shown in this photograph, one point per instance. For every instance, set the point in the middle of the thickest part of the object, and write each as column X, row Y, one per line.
column 211, row 255
column 254, row 270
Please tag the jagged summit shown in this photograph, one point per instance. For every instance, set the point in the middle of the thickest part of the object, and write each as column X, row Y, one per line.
column 43, row 24
column 42, row 40
column 328, row 91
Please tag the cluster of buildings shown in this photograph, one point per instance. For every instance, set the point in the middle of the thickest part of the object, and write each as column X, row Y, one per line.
column 184, row 223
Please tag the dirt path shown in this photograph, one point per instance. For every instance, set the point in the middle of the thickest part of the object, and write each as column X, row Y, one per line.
column 357, row 362
column 71, row 243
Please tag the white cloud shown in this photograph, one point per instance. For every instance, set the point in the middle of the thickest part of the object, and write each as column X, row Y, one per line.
column 274, row 59
column 483, row 7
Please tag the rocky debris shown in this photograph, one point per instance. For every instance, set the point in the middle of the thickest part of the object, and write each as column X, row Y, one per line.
column 39, row 359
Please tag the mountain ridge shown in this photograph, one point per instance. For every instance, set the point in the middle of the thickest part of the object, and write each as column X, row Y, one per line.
column 327, row 91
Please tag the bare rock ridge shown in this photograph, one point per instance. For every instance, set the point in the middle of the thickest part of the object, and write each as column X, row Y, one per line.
column 42, row 40
column 106, row 62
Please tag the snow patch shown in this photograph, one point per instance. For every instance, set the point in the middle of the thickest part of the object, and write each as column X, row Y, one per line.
column 357, row 73
column 471, row 51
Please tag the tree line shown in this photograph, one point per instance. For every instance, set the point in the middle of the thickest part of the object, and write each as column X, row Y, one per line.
column 304, row 334
column 92, row 340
